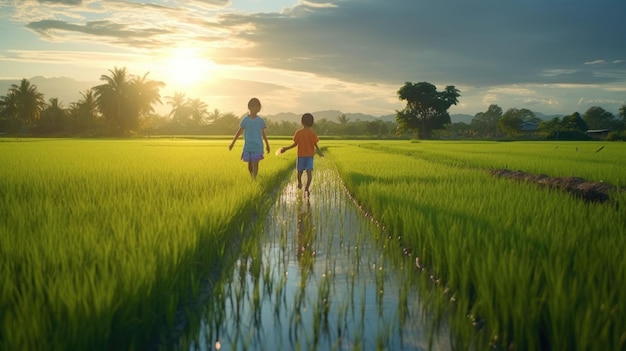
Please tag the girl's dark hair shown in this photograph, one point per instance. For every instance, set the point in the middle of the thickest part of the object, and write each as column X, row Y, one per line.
column 307, row 120
column 254, row 102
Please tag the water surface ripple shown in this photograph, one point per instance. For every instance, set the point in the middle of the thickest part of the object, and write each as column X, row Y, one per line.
column 314, row 278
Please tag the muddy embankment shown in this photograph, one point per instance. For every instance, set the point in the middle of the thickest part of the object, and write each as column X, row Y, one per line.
column 598, row 192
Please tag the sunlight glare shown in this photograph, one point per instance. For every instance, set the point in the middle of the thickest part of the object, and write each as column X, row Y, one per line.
column 187, row 67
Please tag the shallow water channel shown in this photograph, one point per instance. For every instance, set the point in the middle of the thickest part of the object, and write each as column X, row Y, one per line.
column 315, row 278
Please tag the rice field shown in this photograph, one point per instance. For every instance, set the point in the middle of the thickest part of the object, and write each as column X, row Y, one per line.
column 513, row 265
column 104, row 242
column 101, row 242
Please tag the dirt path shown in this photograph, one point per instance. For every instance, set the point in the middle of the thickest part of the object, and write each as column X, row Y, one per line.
column 578, row 187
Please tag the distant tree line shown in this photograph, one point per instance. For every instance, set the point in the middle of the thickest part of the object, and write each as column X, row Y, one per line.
column 496, row 124
column 426, row 114
column 123, row 105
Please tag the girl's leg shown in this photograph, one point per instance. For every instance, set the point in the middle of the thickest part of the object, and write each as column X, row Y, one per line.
column 253, row 167
column 256, row 168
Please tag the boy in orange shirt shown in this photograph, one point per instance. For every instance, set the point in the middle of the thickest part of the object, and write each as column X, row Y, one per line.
column 306, row 139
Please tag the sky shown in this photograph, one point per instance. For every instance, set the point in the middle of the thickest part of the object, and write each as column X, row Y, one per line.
column 550, row 56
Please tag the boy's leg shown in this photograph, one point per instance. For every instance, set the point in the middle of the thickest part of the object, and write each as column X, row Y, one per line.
column 309, row 175
column 300, row 179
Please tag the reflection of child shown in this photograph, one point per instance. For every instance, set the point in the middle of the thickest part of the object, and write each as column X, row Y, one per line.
column 306, row 139
column 306, row 252
column 253, row 128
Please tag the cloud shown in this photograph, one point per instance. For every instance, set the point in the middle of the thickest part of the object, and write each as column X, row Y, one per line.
column 442, row 41
column 445, row 42
column 48, row 28
column 64, row 2
column 596, row 62
column 69, row 57
column 369, row 46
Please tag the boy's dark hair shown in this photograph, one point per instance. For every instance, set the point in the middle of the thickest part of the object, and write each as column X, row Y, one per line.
column 307, row 120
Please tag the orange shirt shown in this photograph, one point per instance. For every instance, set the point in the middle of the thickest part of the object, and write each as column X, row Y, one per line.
column 306, row 138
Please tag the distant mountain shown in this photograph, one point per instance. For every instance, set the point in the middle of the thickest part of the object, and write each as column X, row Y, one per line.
column 331, row 115
column 283, row 116
column 461, row 118
column 547, row 117
column 467, row 119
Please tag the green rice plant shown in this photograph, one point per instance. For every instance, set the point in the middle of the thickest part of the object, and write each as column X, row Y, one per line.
column 102, row 242
column 595, row 161
column 515, row 266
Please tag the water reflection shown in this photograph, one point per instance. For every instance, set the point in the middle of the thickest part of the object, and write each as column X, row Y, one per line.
column 314, row 279
column 305, row 234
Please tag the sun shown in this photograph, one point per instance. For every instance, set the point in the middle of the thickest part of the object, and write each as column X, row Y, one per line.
column 186, row 66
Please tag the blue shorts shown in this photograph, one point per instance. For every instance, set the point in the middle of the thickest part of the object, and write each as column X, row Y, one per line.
column 304, row 163
column 248, row 156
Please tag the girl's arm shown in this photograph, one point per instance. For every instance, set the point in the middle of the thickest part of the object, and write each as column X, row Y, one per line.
column 267, row 143
column 230, row 147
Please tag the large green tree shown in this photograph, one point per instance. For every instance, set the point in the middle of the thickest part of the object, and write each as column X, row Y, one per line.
column 511, row 121
column 622, row 114
column 225, row 124
column 598, row 118
column 486, row 123
column 426, row 108
column 574, row 122
column 124, row 99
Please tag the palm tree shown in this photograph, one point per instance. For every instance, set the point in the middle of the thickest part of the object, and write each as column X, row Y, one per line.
column 123, row 100
column 198, row 111
column 8, row 111
column 83, row 114
column 343, row 119
column 53, row 118
column 113, row 98
column 28, row 102
column 212, row 116
column 180, row 108
column 146, row 94
column 8, row 106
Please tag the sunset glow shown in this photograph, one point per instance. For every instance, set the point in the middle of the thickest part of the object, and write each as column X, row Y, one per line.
column 185, row 67
column 345, row 55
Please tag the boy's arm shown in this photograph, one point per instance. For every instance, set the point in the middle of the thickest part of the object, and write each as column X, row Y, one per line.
column 230, row 147
column 285, row 148
column 318, row 151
